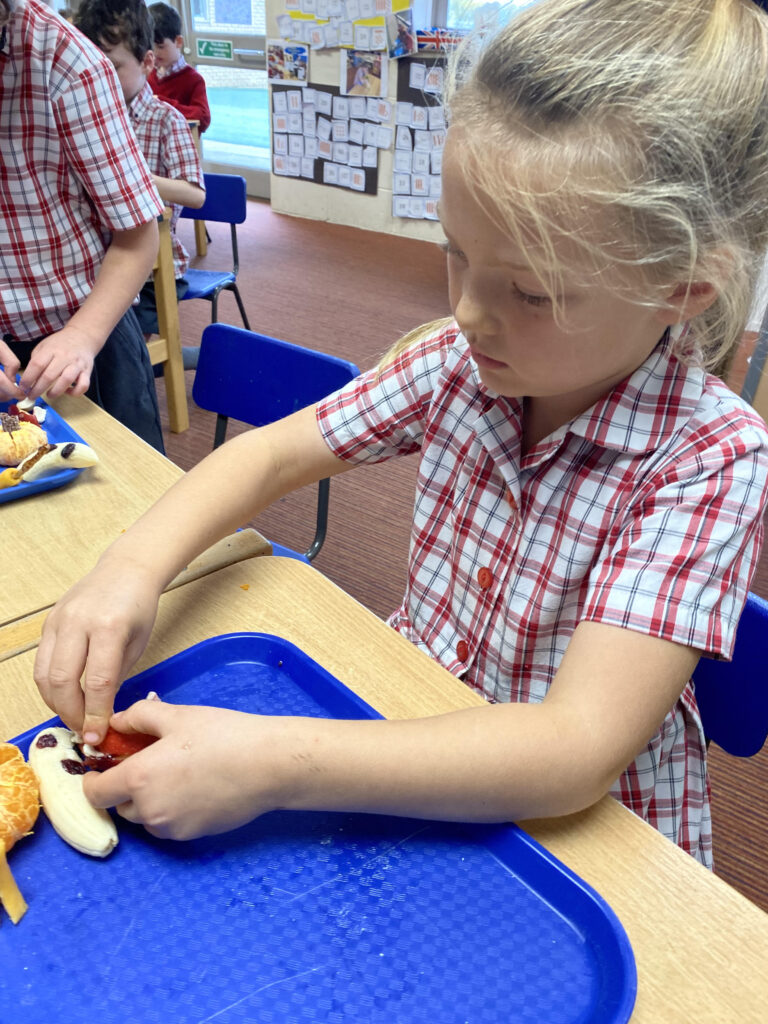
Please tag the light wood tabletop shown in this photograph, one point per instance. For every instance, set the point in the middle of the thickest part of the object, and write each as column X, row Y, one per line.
column 54, row 538
column 701, row 948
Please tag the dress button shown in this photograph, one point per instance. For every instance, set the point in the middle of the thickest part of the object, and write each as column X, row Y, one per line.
column 485, row 578
column 462, row 650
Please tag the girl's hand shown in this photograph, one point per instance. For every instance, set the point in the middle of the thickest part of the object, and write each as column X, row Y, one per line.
column 210, row 771
column 100, row 627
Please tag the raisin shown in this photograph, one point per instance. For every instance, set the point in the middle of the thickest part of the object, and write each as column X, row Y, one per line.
column 46, row 740
column 67, row 450
column 74, row 767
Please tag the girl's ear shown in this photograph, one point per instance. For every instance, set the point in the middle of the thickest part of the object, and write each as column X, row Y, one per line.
column 687, row 301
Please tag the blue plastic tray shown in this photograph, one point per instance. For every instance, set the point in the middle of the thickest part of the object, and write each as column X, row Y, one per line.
column 305, row 917
column 58, row 431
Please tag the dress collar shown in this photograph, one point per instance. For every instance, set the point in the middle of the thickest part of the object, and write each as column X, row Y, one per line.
column 140, row 102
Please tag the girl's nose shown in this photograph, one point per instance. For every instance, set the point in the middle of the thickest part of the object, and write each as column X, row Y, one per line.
column 473, row 315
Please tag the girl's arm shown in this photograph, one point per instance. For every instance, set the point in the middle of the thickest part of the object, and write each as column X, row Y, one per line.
column 102, row 624
column 214, row 769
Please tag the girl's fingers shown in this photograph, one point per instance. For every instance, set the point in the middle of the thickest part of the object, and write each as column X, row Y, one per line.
column 58, row 676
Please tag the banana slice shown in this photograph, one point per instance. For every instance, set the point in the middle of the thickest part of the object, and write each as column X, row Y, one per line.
column 52, row 457
column 59, row 769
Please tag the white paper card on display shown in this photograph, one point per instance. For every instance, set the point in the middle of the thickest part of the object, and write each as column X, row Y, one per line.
column 436, row 118
column 293, row 166
column 310, row 147
column 401, row 184
column 322, row 10
column 331, row 36
column 345, row 175
column 309, row 6
column 357, row 179
column 317, row 38
column 383, row 110
column 340, row 107
column 335, row 8
column 419, row 185
column 416, row 207
column 340, row 152
column 280, row 144
column 372, row 108
column 403, row 161
column 419, row 118
column 293, row 5
column 279, row 164
column 403, row 138
column 400, row 206
column 357, row 107
column 309, row 97
column 294, row 100
column 340, row 131
column 370, row 156
column 362, row 37
column 355, row 156
column 371, row 134
column 295, row 122
column 308, row 123
column 433, row 80
column 331, row 173
column 307, row 167
column 323, row 102
column 323, row 128
column 367, row 9
column 420, row 164
column 296, row 145
column 435, row 186
column 325, row 148
column 279, row 122
column 279, row 101
column 346, row 34
column 378, row 37
column 422, row 141
column 416, row 75
column 436, row 161
column 430, row 209
column 285, row 27
column 403, row 113
column 357, row 132
column 353, row 9
column 384, row 136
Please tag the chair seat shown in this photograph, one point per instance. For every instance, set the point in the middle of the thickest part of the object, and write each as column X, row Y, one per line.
column 203, row 283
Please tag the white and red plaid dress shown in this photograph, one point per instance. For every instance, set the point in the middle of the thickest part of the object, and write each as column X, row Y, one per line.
column 644, row 512
column 71, row 171
column 170, row 152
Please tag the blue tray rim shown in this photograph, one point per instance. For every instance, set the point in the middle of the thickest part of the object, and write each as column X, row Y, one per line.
column 52, row 480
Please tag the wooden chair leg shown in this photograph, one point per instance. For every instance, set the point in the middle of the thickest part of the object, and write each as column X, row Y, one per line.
column 201, row 238
column 170, row 331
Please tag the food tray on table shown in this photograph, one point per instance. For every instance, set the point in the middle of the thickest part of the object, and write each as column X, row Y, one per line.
column 305, row 916
column 58, row 431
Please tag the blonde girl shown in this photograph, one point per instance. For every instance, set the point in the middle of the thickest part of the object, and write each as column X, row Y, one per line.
column 589, row 500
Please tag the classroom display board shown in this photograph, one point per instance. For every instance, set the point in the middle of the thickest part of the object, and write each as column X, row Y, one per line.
column 419, row 136
column 322, row 136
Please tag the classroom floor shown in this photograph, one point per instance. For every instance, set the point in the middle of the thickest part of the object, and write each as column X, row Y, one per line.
column 353, row 293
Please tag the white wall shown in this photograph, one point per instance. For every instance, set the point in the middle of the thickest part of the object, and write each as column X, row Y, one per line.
column 337, row 205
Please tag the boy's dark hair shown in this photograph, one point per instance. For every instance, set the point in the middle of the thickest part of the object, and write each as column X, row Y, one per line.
column 167, row 21
column 117, row 21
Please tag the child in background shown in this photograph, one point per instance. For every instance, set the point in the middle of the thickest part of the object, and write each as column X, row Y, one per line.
column 590, row 500
column 172, row 79
column 123, row 30
column 78, row 223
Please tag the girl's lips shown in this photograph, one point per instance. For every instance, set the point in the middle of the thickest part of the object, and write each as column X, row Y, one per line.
column 482, row 360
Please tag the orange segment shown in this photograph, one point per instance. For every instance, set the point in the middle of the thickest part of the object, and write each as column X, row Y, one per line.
column 19, row 807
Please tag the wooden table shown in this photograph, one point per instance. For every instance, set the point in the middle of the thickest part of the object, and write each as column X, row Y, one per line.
column 701, row 948
column 54, row 538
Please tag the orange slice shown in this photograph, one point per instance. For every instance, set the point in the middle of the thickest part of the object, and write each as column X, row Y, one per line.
column 19, row 807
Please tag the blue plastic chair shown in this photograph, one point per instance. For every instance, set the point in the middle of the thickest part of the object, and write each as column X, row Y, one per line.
column 225, row 203
column 258, row 380
column 733, row 695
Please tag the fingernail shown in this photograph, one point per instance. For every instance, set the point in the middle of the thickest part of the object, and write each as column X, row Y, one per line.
column 91, row 737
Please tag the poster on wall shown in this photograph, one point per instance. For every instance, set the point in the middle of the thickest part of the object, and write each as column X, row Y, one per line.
column 401, row 36
column 323, row 136
column 287, row 62
column 419, row 136
column 363, row 73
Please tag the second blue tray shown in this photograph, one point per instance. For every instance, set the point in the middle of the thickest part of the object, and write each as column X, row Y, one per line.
column 301, row 918
column 58, row 431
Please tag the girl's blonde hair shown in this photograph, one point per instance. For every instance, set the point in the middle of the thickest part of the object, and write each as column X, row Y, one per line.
column 637, row 132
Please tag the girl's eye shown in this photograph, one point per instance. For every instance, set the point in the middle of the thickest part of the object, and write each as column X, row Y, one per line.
column 451, row 250
column 532, row 300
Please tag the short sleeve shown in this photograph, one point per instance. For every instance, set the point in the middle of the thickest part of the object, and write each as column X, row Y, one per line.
column 179, row 151
column 102, row 150
column 679, row 562
column 384, row 412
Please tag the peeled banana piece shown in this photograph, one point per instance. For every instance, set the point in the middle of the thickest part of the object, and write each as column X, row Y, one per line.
column 50, row 458
column 59, row 769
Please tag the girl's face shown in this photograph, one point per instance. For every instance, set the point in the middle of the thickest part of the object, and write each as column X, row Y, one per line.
column 507, row 317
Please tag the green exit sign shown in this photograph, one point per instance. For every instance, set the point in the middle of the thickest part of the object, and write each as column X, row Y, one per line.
column 214, row 49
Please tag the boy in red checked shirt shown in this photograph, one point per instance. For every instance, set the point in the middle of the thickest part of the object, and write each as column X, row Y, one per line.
column 172, row 79
column 78, row 223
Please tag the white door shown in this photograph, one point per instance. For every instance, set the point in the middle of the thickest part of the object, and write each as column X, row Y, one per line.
column 225, row 41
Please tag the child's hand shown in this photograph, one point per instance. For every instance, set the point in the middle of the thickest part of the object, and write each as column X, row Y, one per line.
column 9, row 389
column 209, row 772
column 61, row 363
column 99, row 627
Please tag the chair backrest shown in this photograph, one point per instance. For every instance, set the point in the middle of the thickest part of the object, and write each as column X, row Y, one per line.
column 257, row 379
column 733, row 695
column 225, row 200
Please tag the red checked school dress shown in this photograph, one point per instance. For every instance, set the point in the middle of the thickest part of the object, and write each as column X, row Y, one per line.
column 170, row 152
column 643, row 512
column 71, row 171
